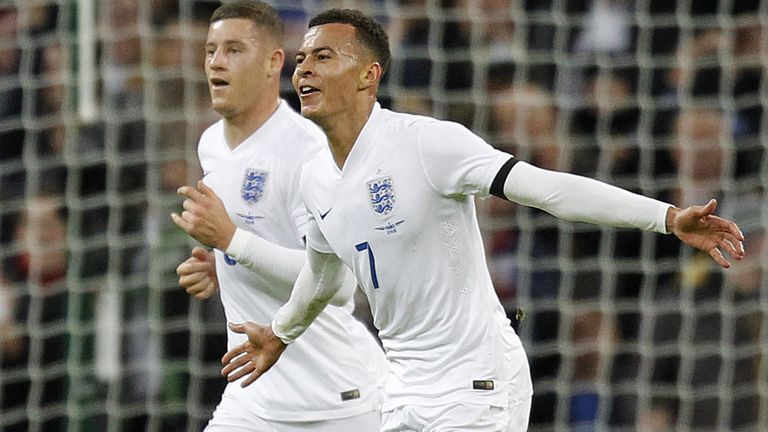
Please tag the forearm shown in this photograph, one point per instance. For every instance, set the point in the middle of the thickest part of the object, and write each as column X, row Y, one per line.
column 316, row 285
column 582, row 199
column 279, row 264
column 273, row 262
column 346, row 291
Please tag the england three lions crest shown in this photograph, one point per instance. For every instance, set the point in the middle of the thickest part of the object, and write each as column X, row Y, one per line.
column 381, row 192
column 254, row 182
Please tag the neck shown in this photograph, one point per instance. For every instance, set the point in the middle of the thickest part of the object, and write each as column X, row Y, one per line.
column 343, row 129
column 238, row 128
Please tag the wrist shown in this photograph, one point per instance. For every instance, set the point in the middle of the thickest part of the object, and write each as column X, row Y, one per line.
column 672, row 213
column 226, row 238
column 282, row 338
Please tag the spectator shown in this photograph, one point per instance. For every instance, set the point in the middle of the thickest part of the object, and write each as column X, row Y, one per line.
column 41, row 268
column 11, row 132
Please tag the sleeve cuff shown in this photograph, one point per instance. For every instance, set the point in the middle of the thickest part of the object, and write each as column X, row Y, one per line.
column 286, row 340
column 238, row 245
column 661, row 219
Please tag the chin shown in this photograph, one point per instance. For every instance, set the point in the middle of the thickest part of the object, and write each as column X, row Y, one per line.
column 309, row 112
column 221, row 108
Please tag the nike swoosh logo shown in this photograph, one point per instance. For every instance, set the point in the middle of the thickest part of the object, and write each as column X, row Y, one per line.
column 323, row 215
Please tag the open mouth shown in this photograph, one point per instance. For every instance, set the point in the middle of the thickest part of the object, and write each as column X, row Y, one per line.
column 306, row 90
column 218, row 83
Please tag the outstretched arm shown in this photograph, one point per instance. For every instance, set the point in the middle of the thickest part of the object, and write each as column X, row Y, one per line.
column 577, row 198
column 318, row 282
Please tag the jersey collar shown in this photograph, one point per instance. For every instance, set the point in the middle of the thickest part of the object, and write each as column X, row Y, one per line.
column 364, row 140
column 271, row 127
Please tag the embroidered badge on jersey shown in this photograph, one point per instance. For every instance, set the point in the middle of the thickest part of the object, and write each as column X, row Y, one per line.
column 253, row 185
column 381, row 191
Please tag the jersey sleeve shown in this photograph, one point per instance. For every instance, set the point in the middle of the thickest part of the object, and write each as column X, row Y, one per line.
column 315, row 238
column 456, row 161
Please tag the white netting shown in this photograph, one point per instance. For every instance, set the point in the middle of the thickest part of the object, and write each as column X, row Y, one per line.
column 624, row 330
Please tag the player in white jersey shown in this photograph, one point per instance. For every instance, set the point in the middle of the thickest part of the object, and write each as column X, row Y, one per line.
column 393, row 200
column 252, row 160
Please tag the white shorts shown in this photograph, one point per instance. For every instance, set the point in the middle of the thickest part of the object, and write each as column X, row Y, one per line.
column 230, row 417
column 458, row 417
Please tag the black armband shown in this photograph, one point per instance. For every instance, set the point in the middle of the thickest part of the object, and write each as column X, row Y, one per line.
column 497, row 187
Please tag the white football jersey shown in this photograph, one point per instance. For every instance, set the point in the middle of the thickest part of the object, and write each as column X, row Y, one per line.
column 401, row 214
column 335, row 369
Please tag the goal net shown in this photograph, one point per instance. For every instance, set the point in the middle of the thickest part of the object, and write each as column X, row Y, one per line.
column 102, row 103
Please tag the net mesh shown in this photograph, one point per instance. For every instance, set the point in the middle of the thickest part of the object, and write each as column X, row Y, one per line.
column 624, row 330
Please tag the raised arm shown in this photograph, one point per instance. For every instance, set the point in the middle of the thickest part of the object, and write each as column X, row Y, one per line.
column 318, row 282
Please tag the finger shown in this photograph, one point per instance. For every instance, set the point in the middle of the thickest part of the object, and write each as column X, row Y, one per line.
column 707, row 209
column 719, row 258
column 729, row 248
column 234, row 352
column 254, row 376
column 201, row 254
column 734, row 230
column 728, row 226
column 210, row 289
column 737, row 243
column 699, row 212
column 189, row 218
column 245, row 370
column 205, row 190
column 190, row 193
column 190, row 279
column 183, row 224
column 197, row 288
column 193, row 266
column 192, row 206
column 183, row 268
column 235, row 364
column 237, row 327
column 711, row 206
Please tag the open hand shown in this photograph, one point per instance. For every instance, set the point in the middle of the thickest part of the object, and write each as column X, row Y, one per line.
column 253, row 357
column 197, row 275
column 204, row 217
column 697, row 226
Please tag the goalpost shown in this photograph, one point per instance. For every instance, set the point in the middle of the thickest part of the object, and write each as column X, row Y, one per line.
column 102, row 104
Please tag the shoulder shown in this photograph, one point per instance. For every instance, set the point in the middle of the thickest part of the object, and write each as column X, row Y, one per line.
column 419, row 127
column 212, row 134
column 299, row 133
column 210, row 140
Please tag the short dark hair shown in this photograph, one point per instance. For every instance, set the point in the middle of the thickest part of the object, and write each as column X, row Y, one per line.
column 368, row 31
column 258, row 12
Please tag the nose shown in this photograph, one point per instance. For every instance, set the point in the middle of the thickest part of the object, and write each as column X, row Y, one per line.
column 304, row 69
column 216, row 60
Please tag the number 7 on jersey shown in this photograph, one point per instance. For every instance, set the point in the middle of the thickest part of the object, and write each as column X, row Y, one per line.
column 371, row 261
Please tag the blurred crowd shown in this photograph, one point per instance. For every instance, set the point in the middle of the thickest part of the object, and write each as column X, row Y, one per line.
column 625, row 330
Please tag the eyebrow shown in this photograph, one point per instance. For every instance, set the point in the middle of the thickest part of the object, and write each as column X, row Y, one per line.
column 315, row 50
column 226, row 42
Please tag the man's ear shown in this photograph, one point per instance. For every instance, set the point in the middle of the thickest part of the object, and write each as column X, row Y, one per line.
column 371, row 75
column 276, row 62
